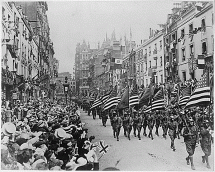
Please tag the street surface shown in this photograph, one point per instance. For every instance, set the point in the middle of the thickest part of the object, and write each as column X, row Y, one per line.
column 142, row 155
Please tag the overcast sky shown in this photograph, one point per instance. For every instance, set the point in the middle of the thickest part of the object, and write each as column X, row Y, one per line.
column 72, row 21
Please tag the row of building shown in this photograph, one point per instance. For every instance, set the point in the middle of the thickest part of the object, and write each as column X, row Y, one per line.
column 181, row 50
column 28, row 63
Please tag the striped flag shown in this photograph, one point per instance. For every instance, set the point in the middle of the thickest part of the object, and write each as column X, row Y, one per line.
column 186, row 92
column 134, row 98
column 113, row 99
column 158, row 102
column 201, row 95
column 96, row 103
column 105, row 97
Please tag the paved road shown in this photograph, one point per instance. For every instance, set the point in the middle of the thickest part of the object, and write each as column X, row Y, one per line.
column 142, row 155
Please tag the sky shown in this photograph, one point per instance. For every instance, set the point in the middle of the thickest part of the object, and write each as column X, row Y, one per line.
column 71, row 22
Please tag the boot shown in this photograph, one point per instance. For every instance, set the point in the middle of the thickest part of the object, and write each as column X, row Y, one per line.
column 203, row 159
column 208, row 165
column 192, row 165
column 188, row 160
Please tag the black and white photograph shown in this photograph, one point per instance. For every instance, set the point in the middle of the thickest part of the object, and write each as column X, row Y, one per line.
column 107, row 85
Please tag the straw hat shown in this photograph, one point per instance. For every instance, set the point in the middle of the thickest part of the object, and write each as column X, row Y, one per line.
column 73, row 166
column 8, row 128
column 61, row 133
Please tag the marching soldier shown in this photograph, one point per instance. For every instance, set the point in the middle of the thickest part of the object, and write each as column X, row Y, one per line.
column 145, row 123
column 129, row 125
column 157, row 122
column 135, row 119
column 164, row 124
column 117, row 123
column 150, row 122
column 104, row 116
column 190, row 138
column 172, row 126
column 124, row 122
column 139, row 124
column 94, row 113
column 206, row 140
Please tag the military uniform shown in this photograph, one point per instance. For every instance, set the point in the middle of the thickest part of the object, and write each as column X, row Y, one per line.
column 150, row 121
column 164, row 124
column 145, row 123
column 206, row 140
column 172, row 126
column 139, row 124
column 135, row 119
column 104, row 117
column 129, row 126
column 116, row 125
column 190, row 138
column 157, row 123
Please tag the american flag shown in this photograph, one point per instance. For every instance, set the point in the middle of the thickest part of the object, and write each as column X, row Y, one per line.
column 134, row 98
column 201, row 95
column 113, row 99
column 96, row 103
column 105, row 97
column 158, row 102
column 185, row 95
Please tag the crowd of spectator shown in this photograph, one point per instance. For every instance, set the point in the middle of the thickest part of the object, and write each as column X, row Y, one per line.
column 40, row 135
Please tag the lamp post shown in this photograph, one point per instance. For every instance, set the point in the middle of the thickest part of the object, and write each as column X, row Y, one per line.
column 66, row 88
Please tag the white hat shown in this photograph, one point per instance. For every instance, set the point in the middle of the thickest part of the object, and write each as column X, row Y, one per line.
column 73, row 166
column 8, row 128
column 37, row 162
column 27, row 146
column 61, row 133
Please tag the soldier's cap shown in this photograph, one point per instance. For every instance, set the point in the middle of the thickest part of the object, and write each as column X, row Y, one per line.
column 114, row 111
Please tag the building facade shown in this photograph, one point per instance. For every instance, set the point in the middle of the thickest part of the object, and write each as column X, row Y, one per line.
column 27, row 51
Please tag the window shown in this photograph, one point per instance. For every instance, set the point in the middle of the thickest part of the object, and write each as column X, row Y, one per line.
column 204, row 48
column 191, row 28
column 141, row 67
column 184, row 76
column 145, row 51
column 149, row 51
column 155, row 46
column 150, row 64
column 182, row 33
column 146, row 82
column 156, row 62
column 173, row 37
column 167, row 40
column 160, row 44
column 161, row 61
column 161, row 78
column 203, row 25
column 183, row 54
column 191, row 49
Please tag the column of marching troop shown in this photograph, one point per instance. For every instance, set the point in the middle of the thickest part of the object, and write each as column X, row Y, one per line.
column 195, row 126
